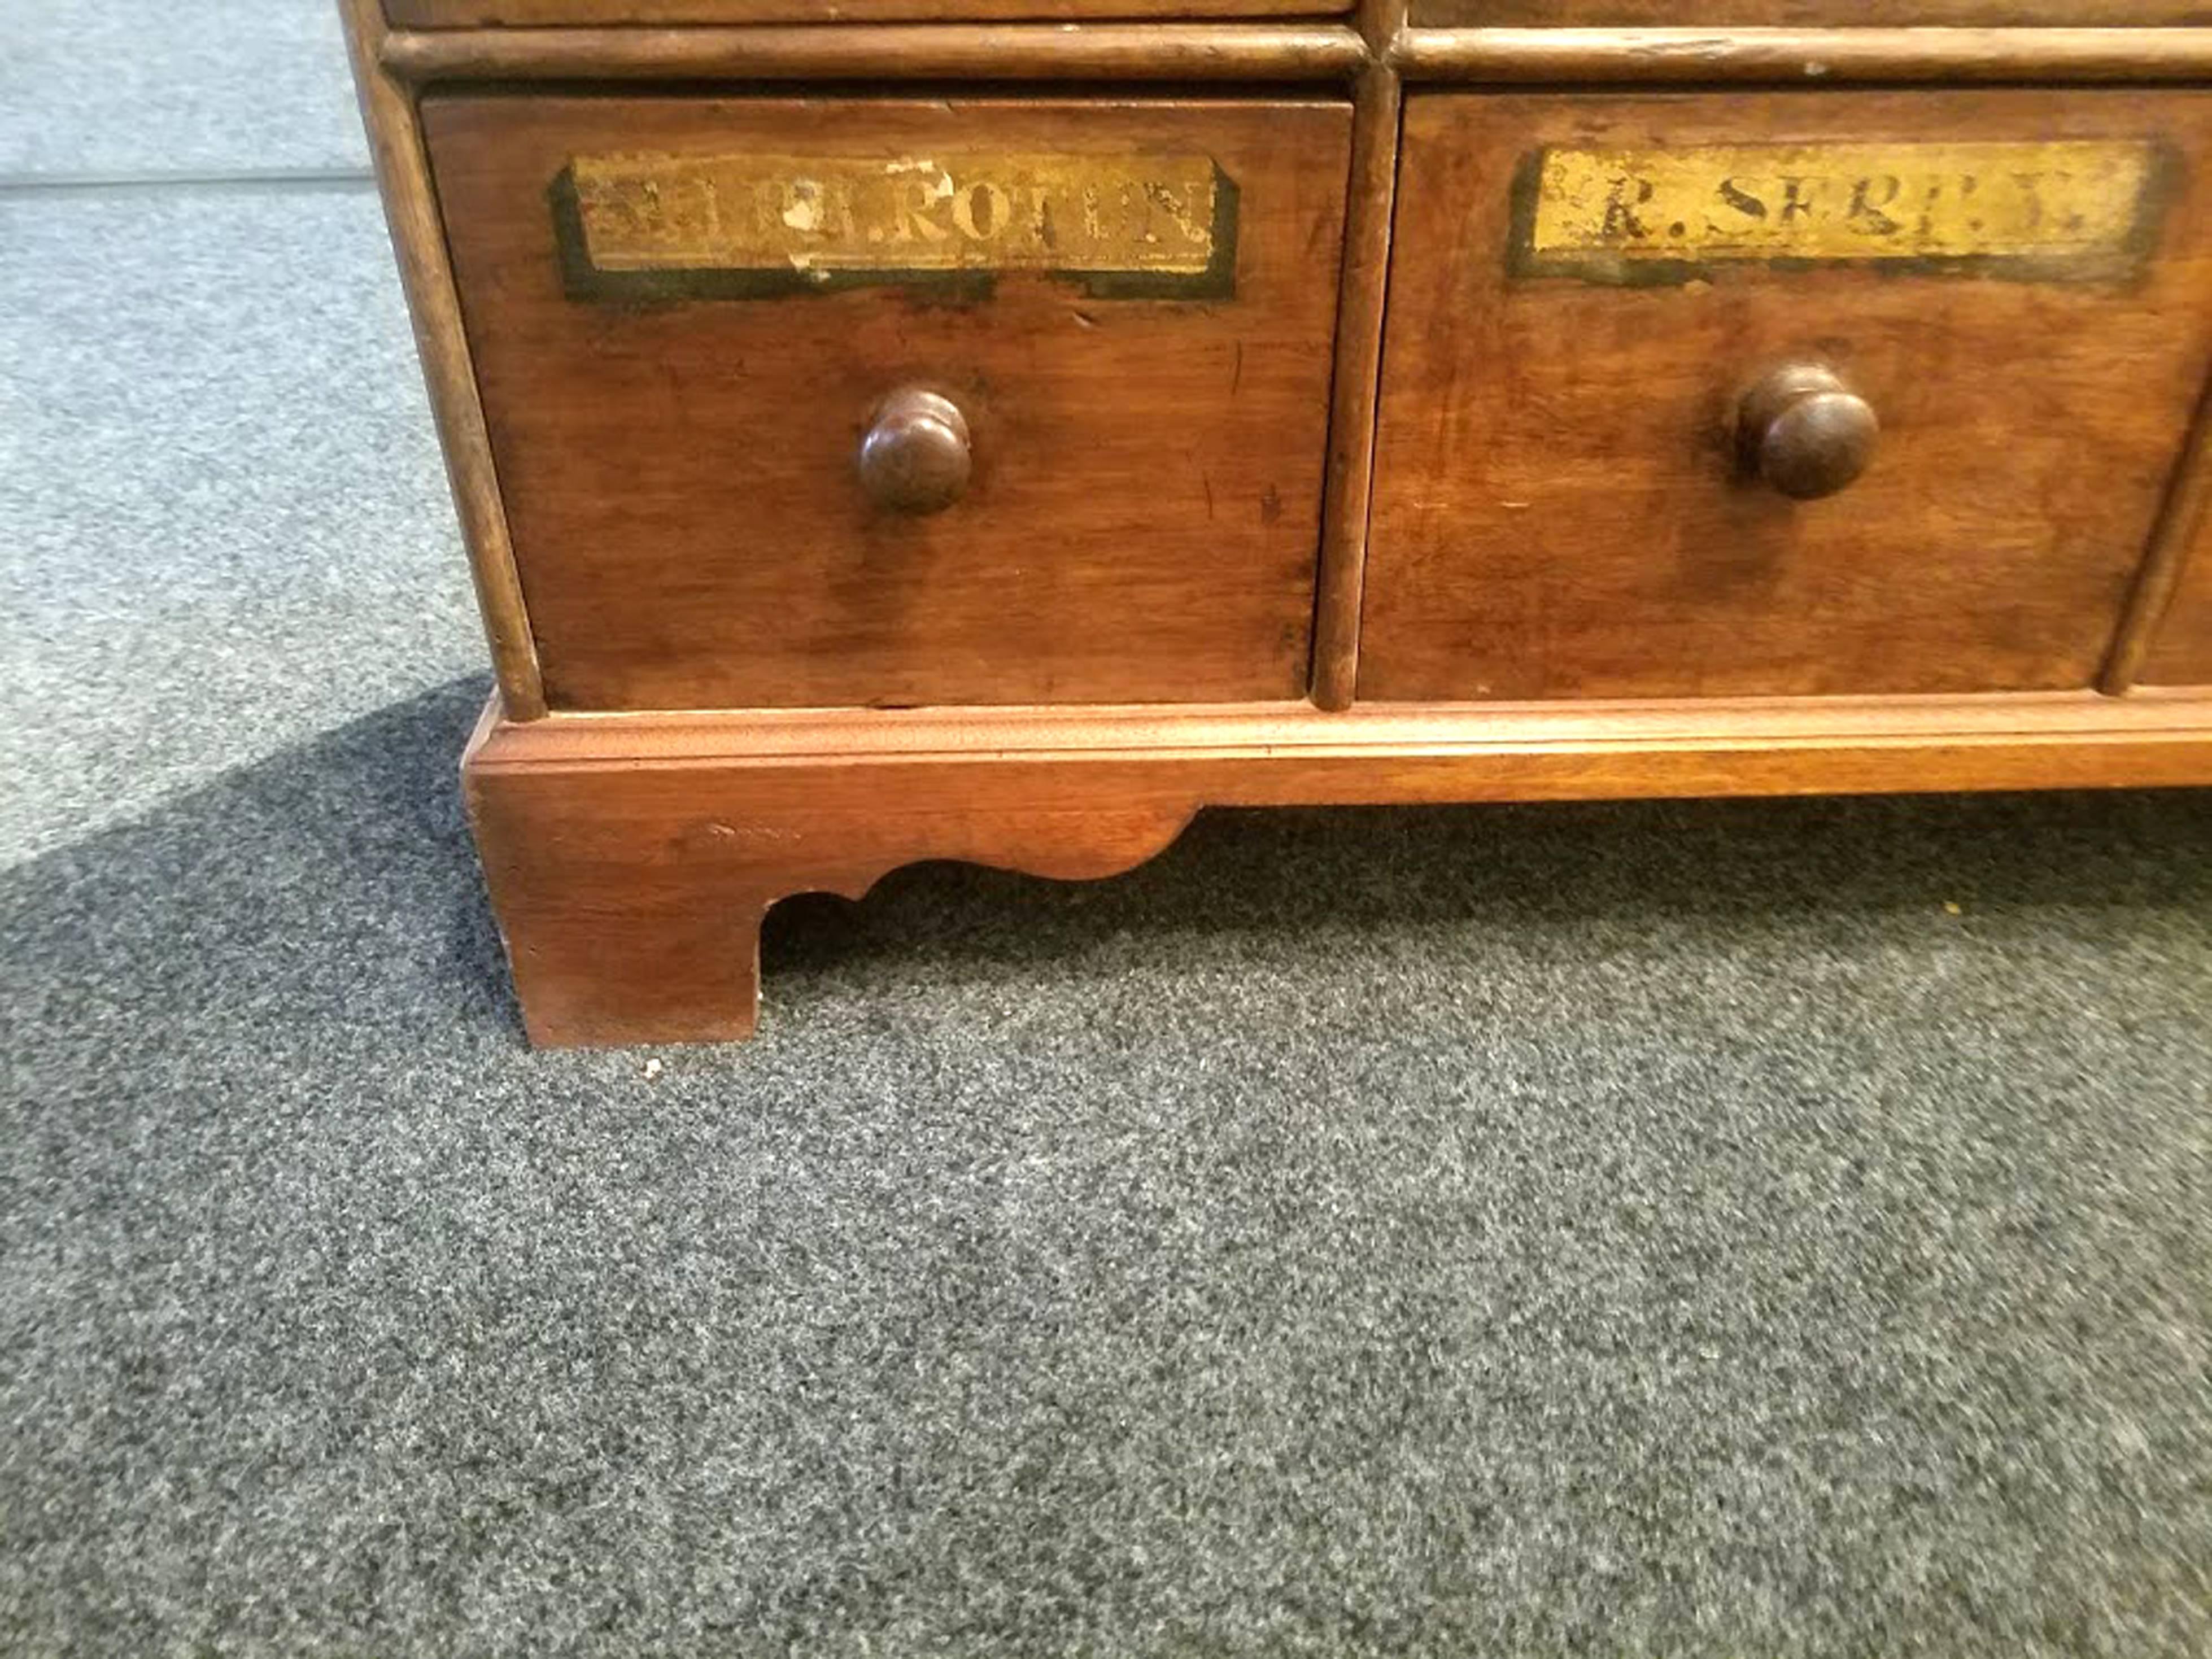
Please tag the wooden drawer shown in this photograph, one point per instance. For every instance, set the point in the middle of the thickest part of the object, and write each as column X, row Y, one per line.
column 1583, row 290
column 2181, row 650
column 676, row 382
column 480, row 14
column 1836, row 12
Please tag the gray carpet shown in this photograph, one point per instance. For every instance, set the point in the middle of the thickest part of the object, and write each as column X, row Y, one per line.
column 1706, row 1228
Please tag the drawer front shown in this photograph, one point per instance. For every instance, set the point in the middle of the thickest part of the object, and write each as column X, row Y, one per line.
column 688, row 315
column 1704, row 14
column 485, row 14
column 1620, row 328
column 2181, row 649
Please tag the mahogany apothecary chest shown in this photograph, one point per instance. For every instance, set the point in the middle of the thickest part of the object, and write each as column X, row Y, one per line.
column 995, row 429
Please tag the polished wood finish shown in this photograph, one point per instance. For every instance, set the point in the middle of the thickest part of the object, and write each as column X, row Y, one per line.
column 1363, row 290
column 1802, row 431
column 2181, row 653
column 2181, row 650
column 618, row 14
column 937, row 51
column 1558, row 510
column 1141, row 520
column 732, row 501
column 631, row 857
column 1301, row 51
column 411, row 206
column 1839, row 13
column 1801, row 56
column 1365, row 281
column 2168, row 639
column 630, row 901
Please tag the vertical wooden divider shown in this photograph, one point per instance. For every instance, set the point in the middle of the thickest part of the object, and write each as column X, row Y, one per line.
column 418, row 237
column 1366, row 270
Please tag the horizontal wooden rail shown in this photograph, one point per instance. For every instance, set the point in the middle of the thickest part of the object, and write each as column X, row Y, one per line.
column 1376, row 736
column 963, row 52
column 1809, row 56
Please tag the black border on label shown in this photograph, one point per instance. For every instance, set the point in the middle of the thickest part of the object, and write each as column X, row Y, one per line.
column 581, row 280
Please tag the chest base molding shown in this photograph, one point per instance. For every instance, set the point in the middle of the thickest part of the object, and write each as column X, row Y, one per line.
column 631, row 858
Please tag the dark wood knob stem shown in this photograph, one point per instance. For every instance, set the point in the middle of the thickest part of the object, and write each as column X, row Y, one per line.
column 1805, row 432
column 915, row 458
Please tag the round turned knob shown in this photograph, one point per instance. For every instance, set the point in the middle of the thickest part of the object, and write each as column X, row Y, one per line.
column 1805, row 432
column 915, row 456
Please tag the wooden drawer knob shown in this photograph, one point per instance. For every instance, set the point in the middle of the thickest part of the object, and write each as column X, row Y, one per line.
column 913, row 458
column 1805, row 432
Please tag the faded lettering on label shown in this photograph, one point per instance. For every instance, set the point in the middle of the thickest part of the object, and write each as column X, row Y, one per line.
column 740, row 226
column 2060, row 210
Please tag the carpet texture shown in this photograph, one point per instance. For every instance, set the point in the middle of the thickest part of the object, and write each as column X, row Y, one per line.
column 150, row 86
column 1647, row 1229
column 224, row 525
column 1702, row 1229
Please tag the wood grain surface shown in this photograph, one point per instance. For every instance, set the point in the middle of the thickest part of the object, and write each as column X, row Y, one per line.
column 1249, row 51
column 2181, row 651
column 410, row 210
column 1143, row 511
column 1360, row 301
column 630, row 858
column 1800, row 55
column 2178, row 627
column 1560, row 511
column 1839, row 13
column 616, row 14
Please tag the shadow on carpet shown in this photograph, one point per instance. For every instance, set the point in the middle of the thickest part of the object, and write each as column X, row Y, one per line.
column 1705, row 1228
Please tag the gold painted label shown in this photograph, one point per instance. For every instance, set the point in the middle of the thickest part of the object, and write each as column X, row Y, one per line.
column 655, row 226
column 2078, row 210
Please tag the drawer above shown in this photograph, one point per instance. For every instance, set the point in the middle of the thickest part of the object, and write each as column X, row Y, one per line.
column 1780, row 394
column 615, row 14
column 850, row 401
column 1838, row 13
